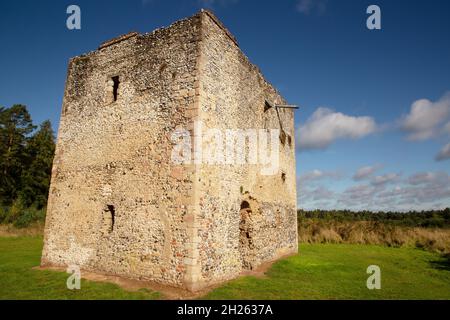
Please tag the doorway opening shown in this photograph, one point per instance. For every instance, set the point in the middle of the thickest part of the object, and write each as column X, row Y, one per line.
column 245, row 235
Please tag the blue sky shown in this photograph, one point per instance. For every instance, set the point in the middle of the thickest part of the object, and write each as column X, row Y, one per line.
column 371, row 100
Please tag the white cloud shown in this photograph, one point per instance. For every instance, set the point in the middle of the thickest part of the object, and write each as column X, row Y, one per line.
column 385, row 179
column 318, row 174
column 320, row 193
column 325, row 126
column 309, row 6
column 444, row 154
column 359, row 196
column 447, row 128
column 365, row 172
column 421, row 178
column 420, row 191
column 425, row 118
column 429, row 194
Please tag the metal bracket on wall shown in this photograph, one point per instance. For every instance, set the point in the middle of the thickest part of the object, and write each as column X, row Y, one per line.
column 268, row 105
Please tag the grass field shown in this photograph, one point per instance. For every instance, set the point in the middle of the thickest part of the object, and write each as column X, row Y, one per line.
column 19, row 281
column 320, row 271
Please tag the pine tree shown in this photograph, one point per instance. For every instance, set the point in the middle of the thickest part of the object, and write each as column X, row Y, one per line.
column 36, row 175
column 15, row 126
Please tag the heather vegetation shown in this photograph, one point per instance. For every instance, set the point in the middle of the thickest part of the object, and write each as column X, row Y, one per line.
column 427, row 229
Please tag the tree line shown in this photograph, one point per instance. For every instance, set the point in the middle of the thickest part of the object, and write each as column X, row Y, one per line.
column 426, row 219
column 26, row 156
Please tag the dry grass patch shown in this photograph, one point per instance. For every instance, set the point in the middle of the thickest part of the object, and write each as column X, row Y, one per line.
column 8, row 230
column 370, row 232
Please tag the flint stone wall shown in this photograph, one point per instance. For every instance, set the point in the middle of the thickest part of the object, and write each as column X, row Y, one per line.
column 119, row 205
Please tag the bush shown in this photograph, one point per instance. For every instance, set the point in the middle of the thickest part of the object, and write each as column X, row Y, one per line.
column 28, row 216
column 14, row 211
column 20, row 215
column 3, row 213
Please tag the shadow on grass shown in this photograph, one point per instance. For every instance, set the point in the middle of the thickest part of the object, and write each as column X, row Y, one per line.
column 443, row 263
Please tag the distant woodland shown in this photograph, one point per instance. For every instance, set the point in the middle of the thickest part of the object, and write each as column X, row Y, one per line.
column 423, row 219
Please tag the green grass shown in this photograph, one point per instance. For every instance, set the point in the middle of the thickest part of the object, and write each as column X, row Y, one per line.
column 320, row 271
column 338, row 271
column 19, row 281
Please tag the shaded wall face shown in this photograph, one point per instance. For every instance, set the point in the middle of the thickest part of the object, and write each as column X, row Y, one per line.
column 117, row 203
column 235, row 235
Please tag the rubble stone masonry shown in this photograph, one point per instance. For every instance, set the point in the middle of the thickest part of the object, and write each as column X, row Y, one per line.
column 119, row 205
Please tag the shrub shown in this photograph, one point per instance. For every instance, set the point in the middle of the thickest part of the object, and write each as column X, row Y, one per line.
column 28, row 216
column 3, row 213
column 14, row 211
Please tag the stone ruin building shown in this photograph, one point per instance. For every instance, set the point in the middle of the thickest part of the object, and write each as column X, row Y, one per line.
column 118, row 203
